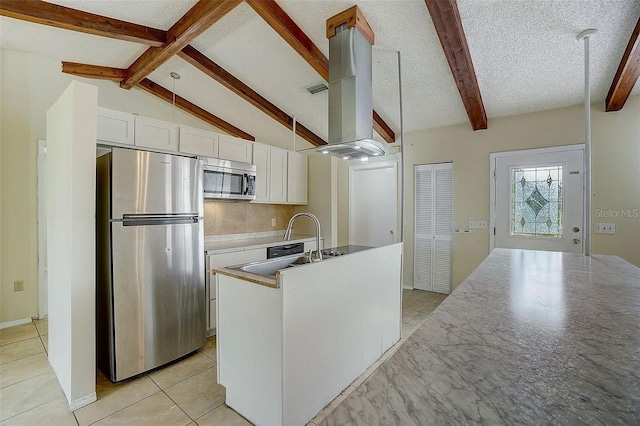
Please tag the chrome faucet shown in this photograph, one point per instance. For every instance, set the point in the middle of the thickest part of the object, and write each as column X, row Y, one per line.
column 287, row 234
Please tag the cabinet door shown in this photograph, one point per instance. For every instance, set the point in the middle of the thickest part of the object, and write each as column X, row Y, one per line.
column 278, row 180
column 198, row 142
column 115, row 126
column 234, row 149
column 261, row 156
column 212, row 314
column 297, row 178
column 156, row 134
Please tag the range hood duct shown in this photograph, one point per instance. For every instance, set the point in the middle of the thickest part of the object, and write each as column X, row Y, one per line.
column 350, row 91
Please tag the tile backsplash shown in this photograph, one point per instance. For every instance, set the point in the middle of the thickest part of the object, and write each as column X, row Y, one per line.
column 221, row 218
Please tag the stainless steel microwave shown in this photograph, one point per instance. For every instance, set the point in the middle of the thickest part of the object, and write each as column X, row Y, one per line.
column 228, row 180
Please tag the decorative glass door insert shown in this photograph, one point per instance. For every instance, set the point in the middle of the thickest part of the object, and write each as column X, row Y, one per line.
column 536, row 202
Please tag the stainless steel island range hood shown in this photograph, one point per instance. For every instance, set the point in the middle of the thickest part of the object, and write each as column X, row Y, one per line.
column 350, row 92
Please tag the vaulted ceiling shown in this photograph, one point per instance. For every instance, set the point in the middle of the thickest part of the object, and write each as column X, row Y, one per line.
column 525, row 55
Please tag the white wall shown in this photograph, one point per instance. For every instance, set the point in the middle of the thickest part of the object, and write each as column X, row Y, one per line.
column 29, row 85
column 615, row 174
column 71, row 148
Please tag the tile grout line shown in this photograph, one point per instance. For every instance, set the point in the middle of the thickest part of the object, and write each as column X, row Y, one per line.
column 179, row 407
column 123, row 408
column 26, row 411
column 21, row 381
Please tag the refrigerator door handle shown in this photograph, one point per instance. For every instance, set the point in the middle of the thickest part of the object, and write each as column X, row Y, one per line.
column 158, row 219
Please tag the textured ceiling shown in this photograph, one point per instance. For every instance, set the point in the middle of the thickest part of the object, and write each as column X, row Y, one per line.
column 525, row 55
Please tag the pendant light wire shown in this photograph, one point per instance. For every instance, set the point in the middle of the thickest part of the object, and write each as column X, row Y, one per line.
column 175, row 77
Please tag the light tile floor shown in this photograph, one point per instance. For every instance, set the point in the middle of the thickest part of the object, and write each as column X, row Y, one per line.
column 183, row 393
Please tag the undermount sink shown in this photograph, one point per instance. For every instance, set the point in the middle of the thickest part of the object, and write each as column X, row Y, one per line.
column 268, row 268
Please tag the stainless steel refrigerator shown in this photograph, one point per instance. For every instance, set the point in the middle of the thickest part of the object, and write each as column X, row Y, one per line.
column 150, row 260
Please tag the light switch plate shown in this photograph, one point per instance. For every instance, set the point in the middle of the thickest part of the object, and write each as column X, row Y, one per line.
column 605, row 228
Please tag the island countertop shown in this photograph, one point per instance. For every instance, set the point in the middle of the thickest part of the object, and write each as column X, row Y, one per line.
column 530, row 337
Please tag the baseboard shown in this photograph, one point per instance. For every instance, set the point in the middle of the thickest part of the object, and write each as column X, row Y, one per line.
column 14, row 323
column 408, row 287
column 81, row 402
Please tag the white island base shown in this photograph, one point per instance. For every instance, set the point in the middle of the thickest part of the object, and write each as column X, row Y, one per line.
column 286, row 352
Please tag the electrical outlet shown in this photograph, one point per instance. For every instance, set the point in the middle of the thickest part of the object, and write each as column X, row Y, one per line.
column 605, row 228
column 273, row 221
column 18, row 285
column 473, row 224
column 482, row 224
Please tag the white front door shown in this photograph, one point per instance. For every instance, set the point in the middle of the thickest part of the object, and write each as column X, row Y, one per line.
column 373, row 204
column 539, row 197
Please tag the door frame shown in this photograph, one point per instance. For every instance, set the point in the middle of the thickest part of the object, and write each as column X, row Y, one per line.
column 43, row 303
column 367, row 166
column 492, row 180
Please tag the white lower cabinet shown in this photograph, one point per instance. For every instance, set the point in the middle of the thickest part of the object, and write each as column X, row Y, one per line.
column 156, row 134
column 222, row 260
column 212, row 314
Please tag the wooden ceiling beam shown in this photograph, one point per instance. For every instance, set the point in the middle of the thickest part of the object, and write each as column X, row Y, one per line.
column 222, row 76
column 627, row 74
column 93, row 71
column 166, row 95
column 446, row 20
column 108, row 73
column 54, row 15
column 200, row 17
column 282, row 23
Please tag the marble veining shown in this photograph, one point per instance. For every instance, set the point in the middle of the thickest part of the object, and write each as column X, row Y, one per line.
column 530, row 337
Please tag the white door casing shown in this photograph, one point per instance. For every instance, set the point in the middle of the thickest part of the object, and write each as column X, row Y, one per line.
column 433, row 227
column 42, row 229
column 564, row 232
column 373, row 204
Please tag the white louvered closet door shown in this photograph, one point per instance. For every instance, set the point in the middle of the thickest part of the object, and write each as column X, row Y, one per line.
column 433, row 227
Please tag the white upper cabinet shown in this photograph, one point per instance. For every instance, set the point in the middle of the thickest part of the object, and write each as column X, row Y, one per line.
column 156, row 134
column 261, row 159
column 198, row 142
column 235, row 149
column 297, row 178
column 115, row 126
column 278, row 181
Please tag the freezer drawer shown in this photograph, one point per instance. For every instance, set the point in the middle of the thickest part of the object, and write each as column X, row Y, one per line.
column 158, row 295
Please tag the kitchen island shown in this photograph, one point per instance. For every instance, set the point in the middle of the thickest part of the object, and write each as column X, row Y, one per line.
column 289, row 343
column 530, row 337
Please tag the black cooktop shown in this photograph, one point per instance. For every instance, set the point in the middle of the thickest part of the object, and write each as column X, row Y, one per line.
column 342, row 250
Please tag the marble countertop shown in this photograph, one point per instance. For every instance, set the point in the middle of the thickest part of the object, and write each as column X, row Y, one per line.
column 228, row 244
column 530, row 337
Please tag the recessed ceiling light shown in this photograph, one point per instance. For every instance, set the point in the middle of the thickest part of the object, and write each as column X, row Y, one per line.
column 325, row 152
column 357, row 147
column 346, row 157
column 364, row 159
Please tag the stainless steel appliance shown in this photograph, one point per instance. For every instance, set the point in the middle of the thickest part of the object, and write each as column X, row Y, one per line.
column 228, row 180
column 350, row 97
column 284, row 250
column 150, row 260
